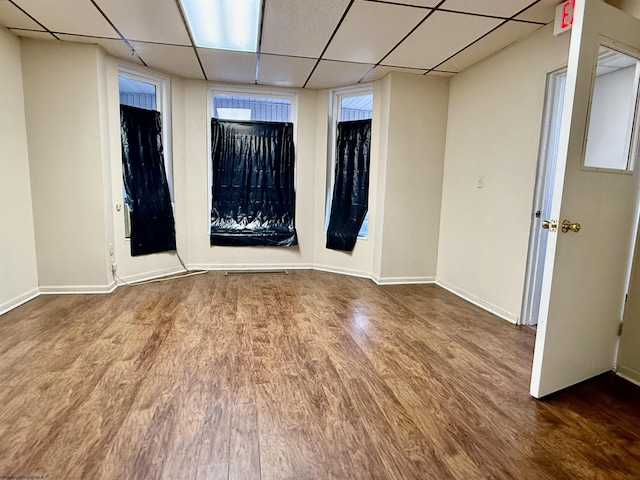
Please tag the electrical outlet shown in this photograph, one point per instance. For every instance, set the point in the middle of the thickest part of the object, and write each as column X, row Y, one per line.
column 111, row 249
column 480, row 183
column 114, row 267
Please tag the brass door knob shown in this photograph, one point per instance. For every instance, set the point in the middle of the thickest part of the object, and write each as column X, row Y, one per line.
column 567, row 225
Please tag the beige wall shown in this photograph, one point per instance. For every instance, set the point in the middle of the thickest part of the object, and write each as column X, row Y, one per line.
column 65, row 127
column 495, row 112
column 632, row 7
column 381, row 99
column 18, row 271
column 75, row 131
column 628, row 361
column 416, row 131
column 200, row 254
column 407, row 156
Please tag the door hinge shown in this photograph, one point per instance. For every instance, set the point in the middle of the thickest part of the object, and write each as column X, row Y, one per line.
column 620, row 329
column 551, row 225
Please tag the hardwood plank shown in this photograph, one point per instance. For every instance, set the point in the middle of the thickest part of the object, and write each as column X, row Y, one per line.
column 302, row 376
column 213, row 472
column 244, row 447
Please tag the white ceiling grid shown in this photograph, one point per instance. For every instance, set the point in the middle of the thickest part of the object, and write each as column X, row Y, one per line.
column 370, row 30
column 156, row 21
column 438, row 38
column 303, row 43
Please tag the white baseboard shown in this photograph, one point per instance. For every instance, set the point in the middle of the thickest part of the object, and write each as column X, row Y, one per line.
column 262, row 267
column 342, row 271
column 143, row 277
column 403, row 280
column 19, row 300
column 628, row 374
column 102, row 289
column 309, row 266
column 497, row 311
column 78, row 289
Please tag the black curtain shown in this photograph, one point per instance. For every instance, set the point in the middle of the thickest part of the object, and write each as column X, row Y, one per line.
column 351, row 186
column 145, row 182
column 253, row 197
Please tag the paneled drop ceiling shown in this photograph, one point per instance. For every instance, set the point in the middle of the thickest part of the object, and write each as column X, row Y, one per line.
column 302, row 43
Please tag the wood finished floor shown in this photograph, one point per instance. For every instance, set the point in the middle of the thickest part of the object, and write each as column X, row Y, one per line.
column 305, row 376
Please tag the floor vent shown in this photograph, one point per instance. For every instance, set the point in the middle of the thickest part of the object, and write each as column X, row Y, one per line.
column 256, row 272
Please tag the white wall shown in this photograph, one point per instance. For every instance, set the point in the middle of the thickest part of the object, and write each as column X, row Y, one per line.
column 495, row 112
column 416, row 132
column 18, row 271
column 65, row 130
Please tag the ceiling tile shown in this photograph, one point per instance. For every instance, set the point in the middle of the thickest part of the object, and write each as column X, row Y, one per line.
column 417, row 3
column 176, row 60
column 69, row 17
column 543, row 11
column 486, row 46
column 300, row 28
column 229, row 66
column 117, row 48
column 441, row 36
column 381, row 71
column 500, row 8
column 330, row 74
column 371, row 29
column 147, row 20
column 284, row 71
column 11, row 16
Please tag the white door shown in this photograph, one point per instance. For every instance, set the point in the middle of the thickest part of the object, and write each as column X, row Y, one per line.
column 586, row 273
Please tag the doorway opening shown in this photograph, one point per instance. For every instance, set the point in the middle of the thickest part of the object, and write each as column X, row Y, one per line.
column 547, row 158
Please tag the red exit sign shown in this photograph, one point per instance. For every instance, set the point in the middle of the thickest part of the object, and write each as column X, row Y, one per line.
column 564, row 17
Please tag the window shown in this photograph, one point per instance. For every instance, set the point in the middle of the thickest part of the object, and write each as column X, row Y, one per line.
column 347, row 104
column 243, row 107
column 136, row 93
column 250, row 220
column 147, row 91
column 612, row 140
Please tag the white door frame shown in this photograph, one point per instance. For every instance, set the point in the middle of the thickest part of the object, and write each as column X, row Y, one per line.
column 547, row 155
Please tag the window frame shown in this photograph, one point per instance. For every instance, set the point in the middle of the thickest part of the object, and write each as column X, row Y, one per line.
column 335, row 100
column 163, row 105
column 224, row 89
column 632, row 137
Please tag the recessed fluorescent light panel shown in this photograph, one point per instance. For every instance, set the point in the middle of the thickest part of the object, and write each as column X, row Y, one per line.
column 224, row 24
